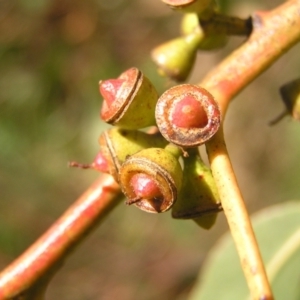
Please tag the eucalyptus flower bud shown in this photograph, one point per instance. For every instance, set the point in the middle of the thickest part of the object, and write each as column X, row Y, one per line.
column 198, row 199
column 176, row 57
column 129, row 100
column 187, row 115
column 117, row 144
column 151, row 179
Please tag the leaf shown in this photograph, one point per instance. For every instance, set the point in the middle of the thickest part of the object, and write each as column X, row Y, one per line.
column 277, row 230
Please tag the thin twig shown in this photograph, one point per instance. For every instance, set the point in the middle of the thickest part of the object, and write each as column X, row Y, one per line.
column 49, row 250
column 238, row 218
column 221, row 24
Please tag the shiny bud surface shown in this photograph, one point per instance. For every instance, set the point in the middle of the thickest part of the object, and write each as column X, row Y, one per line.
column 145, row 187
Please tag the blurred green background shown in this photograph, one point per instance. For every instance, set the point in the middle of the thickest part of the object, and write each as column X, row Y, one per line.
column 52, row 55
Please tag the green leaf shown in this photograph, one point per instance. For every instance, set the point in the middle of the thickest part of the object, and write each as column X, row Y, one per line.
column 277, row 230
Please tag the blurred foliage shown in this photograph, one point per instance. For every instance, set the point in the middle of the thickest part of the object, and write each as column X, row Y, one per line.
column 52, row 55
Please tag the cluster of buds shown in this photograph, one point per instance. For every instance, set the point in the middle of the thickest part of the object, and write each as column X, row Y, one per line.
column 175, row 58
column 160, row 170
column 203, row 28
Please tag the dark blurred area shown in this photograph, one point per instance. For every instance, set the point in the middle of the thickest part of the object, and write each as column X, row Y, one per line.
column 52, row 55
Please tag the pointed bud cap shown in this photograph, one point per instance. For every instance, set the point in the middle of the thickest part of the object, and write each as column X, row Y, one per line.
column 145, row 187
column 110, row 91
column 189, row 112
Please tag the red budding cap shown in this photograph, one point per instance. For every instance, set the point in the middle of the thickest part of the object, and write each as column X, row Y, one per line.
column 188, row 112
column 145, row 188
column 109, row 91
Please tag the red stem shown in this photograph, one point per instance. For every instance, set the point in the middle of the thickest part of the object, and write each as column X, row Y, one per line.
column 274, row 33
column 65, row 233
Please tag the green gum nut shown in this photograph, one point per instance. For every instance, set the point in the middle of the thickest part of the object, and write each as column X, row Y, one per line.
column 198, row 199
column 151, row 180
column 176, row 58
column 129, row 100
column 209, row 41
column 189, row 5
column 290, row 93
column 116, row 144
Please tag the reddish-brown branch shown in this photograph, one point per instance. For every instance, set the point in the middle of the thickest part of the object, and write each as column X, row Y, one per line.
column 274, row 33
column 39, row 260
